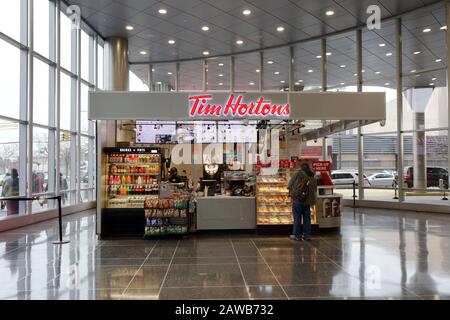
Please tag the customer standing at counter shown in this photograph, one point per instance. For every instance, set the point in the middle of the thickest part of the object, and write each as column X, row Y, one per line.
column 302, row 190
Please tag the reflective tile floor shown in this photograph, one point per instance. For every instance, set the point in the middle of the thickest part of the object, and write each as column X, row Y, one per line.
column 377, row 254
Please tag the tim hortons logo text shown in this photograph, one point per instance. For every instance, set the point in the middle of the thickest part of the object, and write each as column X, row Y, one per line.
column 235, row 107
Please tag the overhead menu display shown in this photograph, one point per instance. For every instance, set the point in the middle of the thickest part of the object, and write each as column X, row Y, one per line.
column 205, row 132
column 155, row 132
column 236, row 132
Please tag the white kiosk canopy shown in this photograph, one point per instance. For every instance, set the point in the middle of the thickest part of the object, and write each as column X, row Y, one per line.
column 171, row 106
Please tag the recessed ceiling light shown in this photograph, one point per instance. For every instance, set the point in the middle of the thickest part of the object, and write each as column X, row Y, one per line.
column 162, row 11
column 438, row 60
column 297, row 83
column 363, row 70
column 257, row 70
column 143, row 53
column 251, row 83
column 381, row 45
column 220, row 64
column 433, row 79
column 329, row 12
column 310, row 71
column 355, row 74
column 343, row 66
column 389, row 54
column 246, row 12
column 329, row 53
column 377, row 72
column 270, row 62
column 387, row 84
column 443, row 28
column 169, row 73
column 153, row 70
column 432, row 84
column 239, row 42
column 413, row 71
column 205, row 28
column 206, row 53
column 342, row 83
column 276, row 72
column 171, row 41
column 220, row 75
column 282, row 81
column 319, row 57
column 426, row 30
column 280, row 29
column 416, row 52
column 129, row 28
column 220, row 83
column 159, row 82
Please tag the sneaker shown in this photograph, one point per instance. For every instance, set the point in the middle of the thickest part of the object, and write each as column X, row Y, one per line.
column 295, row 238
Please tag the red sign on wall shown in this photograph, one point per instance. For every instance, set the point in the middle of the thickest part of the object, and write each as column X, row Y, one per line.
column 199, row 106
column 321, row 166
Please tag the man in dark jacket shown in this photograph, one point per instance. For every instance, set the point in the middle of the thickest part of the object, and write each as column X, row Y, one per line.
column 303, row 192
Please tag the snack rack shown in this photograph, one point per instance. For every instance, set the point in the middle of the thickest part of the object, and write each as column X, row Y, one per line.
column 167, row 216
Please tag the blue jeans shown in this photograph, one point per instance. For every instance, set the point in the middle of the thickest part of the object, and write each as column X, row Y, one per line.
column 301, row 211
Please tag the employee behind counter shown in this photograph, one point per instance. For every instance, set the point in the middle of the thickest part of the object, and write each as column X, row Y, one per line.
column 174, row 177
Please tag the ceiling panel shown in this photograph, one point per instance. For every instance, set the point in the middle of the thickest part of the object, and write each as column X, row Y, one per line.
column 300, row 19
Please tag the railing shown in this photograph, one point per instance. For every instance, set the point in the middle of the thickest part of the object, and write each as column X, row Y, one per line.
column 40, row 198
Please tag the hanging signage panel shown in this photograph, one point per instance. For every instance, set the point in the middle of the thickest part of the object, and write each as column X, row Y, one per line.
column 338, row 106
column 228, row 106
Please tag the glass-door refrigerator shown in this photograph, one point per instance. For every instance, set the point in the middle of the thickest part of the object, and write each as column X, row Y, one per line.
column 128, row 177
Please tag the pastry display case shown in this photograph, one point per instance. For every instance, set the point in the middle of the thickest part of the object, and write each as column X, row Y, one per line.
column 273, row 204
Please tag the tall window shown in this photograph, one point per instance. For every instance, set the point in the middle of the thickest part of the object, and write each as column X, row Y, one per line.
column 10, row 22
column 9, row 80
column 41, row 25
column 41, row 92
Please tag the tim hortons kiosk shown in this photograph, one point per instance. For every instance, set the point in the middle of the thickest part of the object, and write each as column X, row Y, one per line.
column 239, row 144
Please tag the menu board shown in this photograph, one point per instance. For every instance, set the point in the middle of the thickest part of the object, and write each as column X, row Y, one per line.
column 236, row 132
column 154, row 132
column 185, row 132
column 205, row 132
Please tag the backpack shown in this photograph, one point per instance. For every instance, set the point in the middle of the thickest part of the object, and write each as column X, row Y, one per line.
column 300, row 191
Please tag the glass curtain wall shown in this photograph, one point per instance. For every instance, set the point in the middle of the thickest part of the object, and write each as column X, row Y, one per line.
column 424, row 131
column 29, row 129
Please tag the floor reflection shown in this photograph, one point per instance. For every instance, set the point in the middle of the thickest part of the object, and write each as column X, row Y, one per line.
column 377, row 254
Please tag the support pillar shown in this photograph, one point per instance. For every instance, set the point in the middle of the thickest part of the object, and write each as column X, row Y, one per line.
column 116, row 79
column 419, row 153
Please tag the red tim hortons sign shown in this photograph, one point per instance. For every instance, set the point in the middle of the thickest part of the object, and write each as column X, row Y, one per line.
column 235, row 106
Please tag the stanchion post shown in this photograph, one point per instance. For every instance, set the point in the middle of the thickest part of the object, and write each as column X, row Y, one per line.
column 61, row 241
column 442, row 187
column 395, row 191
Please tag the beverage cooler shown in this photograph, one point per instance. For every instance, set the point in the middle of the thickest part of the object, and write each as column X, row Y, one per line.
column 128, row 176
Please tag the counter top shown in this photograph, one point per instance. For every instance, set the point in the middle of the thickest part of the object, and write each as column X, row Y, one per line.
column 223, row 197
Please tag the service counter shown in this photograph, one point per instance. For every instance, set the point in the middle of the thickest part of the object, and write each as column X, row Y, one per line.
column 226, row 213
